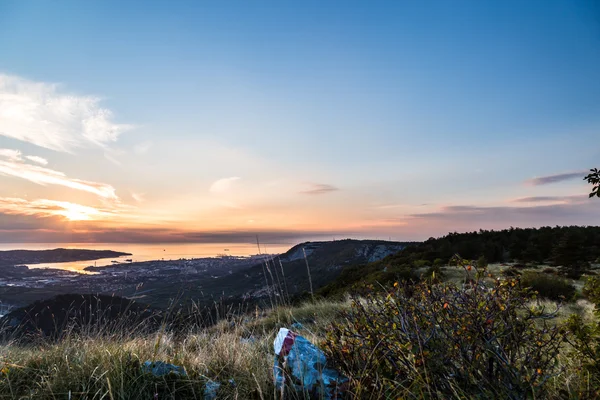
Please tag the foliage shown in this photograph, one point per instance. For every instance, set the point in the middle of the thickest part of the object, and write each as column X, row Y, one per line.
column 548, row 286
column 482, row 262
column 569, row 253
column 511, row 272
column 437, row 340
column 93, row 365
column 585, row 337
column 88, row 367
column 572, row 246
column 67, row 314
column 594, row 179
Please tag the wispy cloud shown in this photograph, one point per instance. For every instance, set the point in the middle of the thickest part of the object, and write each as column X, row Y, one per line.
column 50, row 208
column 320, row 188
column 40, row 113
column 38, row 160
column 14, row 166
column 142, row 148
column 546, row 180
column 466, row 216
column 139, row 197
column 14, row 155
column 86, row 232
column 223, row 185
column 550, row 199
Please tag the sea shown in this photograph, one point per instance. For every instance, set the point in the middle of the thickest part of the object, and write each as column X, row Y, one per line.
column 148, row 252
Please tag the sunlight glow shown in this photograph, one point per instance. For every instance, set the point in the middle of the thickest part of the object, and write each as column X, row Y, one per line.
column 77, row 212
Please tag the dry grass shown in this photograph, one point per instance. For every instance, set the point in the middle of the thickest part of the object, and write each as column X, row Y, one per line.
column 237, row 352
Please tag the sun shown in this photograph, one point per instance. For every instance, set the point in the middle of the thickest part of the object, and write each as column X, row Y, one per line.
column 77, row 212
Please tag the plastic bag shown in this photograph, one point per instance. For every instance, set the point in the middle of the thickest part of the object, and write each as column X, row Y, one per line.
column 210, row 390
column 160, row 368
column 301, row 365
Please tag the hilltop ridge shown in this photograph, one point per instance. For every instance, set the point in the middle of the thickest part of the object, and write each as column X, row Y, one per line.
column 19, row 257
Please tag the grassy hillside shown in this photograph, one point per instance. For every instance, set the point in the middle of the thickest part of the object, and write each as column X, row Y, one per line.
column 461, row 329
column 100, row 366
column 573, row 249
column 238, row 353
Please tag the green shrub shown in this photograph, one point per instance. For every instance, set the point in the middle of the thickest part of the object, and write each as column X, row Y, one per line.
column 482, row 262
column 585, row 340
column 574, row 272
column 511, row 272
column 434, row 273
column 441, row 341
column 548, row 286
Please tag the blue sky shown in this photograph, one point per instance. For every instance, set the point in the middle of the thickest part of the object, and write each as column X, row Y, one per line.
column 366, row 119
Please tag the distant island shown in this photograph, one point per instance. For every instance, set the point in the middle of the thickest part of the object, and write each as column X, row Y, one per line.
column 20, row 257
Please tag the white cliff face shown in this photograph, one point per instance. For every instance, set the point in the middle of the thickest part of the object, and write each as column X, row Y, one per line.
column 377, row 252
column 382, row 251
column 370, row 252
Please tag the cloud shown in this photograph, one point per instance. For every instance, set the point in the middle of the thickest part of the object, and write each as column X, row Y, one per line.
column 14, row 155
column 546, row 180
column 26, row 230
column 41, row 114
column 466, row 217
column 223, row 185
column 38, row 160
column 113, row 155
column 139, row 197
column 50, row 208
column 320, row 188
column 142, row 148
column 44, row 176
column 550, row 199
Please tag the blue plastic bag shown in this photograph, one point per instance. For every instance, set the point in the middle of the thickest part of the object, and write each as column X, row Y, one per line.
column 210, row 390
column 160, row 368
column 300, row 364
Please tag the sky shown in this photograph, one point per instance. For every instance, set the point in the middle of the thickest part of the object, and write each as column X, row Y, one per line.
column 162, row 121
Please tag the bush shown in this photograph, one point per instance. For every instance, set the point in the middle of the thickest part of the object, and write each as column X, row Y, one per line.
column 511, row 272
column 434, row 273
column 548, row 286
column 585, row 339
column 441, row 341
column 549, row 270
column 482, row 262
column 574, row 272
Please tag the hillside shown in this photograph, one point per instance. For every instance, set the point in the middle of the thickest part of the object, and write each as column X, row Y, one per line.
column 20, row 257
column 71, row 313
column 572, row 248
column 100, row 344
column 286, row 274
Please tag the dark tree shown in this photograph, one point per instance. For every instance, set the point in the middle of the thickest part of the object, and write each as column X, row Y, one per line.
column 569, row 253
column 594, row 178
